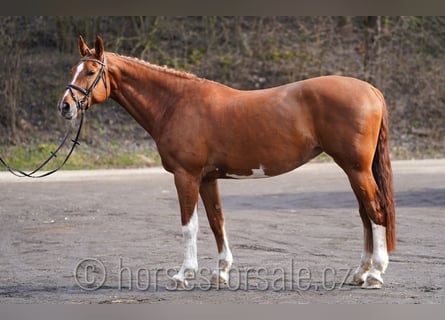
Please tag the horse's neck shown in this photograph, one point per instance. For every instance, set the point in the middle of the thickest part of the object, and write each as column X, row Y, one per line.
column 145, row 92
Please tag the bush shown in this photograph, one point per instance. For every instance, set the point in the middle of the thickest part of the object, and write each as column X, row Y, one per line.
column 402, row 56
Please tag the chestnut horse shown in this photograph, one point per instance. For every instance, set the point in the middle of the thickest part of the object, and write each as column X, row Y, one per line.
column 206, row 131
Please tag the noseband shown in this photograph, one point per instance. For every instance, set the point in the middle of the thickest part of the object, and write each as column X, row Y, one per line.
column 80, row 106
column 87, row 92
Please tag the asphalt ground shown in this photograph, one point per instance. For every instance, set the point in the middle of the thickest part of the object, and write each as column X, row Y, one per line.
column 114, row 236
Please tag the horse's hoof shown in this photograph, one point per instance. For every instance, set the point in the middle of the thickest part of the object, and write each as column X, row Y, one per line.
column 218, row 280
column 358, row 279
column 372, row 283
column 177, row 284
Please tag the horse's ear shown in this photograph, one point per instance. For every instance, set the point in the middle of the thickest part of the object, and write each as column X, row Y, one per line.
column 99, row 47
column 83, row 48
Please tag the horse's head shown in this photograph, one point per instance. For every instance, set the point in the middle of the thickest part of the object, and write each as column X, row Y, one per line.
column 89, row 84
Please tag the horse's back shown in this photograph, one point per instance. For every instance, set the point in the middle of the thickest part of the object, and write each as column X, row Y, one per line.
column 277, row 129
column 337, row 93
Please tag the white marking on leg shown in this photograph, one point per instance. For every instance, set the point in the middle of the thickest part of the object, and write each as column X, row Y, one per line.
column 190, row 263
column 225, row 259
column 254, row 174
column 362, row 270
column 379, row 256
column 226, row 254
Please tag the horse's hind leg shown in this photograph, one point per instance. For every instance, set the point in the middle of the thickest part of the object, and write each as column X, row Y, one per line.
column 212, row 203
column 362, row 270
column 371, row 266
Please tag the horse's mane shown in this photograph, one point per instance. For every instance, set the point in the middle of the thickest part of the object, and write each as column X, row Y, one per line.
column 165, row 69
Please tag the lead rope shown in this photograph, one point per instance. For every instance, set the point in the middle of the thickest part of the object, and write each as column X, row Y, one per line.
column 75, row 141
column 32, row 174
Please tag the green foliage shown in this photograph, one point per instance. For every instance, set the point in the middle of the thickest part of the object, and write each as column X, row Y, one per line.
column 402, row 56
column 196, row 55
column 277, row 55
column 31, row 156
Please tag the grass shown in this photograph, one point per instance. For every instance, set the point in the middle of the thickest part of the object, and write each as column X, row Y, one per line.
column 29, row 157
column 84, row 157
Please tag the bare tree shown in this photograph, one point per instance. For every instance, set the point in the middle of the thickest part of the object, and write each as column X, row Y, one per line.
column 11, row 56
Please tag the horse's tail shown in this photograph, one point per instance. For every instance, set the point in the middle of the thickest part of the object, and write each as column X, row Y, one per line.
column 381, row 169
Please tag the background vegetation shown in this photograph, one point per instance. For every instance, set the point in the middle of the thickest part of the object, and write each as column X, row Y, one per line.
column 403, row 56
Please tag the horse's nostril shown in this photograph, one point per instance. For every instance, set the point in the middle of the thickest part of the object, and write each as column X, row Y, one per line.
column 66, row 107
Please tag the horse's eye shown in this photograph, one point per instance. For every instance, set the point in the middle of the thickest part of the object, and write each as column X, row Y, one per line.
column 91, row 73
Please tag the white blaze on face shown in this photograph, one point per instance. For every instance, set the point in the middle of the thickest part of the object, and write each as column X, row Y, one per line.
column 76, row 75
column 78, row 71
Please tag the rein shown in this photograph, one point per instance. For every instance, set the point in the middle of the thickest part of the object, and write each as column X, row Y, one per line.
column 80, row 104
column 19, row 173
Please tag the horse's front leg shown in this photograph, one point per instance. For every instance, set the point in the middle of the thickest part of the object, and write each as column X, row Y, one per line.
column 212, row 203
column 187, row 187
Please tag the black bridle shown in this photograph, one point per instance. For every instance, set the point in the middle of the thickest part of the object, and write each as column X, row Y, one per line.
column 87, row 92
column 80, row 104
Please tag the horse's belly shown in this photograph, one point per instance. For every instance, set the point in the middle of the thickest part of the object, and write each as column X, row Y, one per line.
column 254, row 165
column 254, row 174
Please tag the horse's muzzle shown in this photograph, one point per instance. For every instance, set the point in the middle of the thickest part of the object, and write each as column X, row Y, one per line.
column 67, row 111
column 65, row 108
